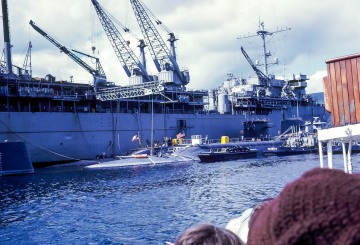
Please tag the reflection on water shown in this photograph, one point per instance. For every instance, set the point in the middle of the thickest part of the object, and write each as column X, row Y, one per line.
column 71, row 204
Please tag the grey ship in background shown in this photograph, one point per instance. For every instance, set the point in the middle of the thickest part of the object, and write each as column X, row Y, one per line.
column 65, row 121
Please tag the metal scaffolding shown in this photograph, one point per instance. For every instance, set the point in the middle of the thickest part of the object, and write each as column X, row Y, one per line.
column 115, row 93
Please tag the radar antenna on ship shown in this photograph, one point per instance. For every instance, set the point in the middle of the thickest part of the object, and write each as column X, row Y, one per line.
column 264, row 34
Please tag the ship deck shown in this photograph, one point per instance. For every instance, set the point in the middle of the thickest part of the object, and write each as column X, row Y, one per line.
column 126, row 161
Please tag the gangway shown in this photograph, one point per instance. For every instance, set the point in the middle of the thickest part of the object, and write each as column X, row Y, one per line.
column 115, row 93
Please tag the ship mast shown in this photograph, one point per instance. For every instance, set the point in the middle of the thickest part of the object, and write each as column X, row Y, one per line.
column 263, row 34
column 7, row 43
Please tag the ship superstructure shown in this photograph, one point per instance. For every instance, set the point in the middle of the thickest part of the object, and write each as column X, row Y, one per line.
column 65, row 120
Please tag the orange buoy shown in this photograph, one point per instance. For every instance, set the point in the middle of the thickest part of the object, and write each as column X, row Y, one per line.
column 139, row 156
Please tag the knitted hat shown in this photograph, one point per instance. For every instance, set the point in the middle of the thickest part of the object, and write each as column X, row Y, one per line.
column 321, row 207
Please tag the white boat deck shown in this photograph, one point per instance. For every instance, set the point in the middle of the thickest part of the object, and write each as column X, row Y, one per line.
column 127, row 161
column 343, row 135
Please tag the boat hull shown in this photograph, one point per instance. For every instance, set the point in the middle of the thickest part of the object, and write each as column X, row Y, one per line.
column 218, row 157
column 287, row 151
column 68, row 136
column 260, row 146
column 14, row 159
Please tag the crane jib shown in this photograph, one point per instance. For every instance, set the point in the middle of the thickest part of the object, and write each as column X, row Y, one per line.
column 160, row 53
column 98, row 73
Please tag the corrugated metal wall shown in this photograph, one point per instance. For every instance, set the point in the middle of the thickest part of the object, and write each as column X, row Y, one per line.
column 342, row 90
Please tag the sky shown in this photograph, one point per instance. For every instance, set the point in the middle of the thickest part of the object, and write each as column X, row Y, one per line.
column 210, row 35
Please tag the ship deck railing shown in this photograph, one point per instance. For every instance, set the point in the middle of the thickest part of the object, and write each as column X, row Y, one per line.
column 238, row 140
column 344, row 135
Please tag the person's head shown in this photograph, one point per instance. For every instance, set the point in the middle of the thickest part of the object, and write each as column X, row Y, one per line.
column 207, row 234
column 240, row 225
column 321, row 207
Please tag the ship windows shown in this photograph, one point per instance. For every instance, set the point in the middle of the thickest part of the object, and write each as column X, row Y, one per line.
column 181, row 123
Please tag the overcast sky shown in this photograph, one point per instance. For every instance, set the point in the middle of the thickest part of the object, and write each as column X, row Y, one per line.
column 207, row 32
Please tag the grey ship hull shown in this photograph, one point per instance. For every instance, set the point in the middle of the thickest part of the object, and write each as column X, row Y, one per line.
column 64, row 121
column 66, row 136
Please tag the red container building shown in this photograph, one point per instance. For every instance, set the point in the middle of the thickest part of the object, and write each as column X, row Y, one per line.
column 342, row 90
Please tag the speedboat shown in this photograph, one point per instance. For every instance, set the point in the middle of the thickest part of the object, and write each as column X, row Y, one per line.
column 227, row 154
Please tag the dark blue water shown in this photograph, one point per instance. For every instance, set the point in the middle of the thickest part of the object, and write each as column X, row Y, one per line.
column 72, row 204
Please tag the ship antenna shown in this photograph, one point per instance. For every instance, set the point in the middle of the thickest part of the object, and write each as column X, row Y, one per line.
column 263, row 34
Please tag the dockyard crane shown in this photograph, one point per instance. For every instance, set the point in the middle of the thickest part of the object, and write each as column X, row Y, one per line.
column 165, row 61
column 27, row 66
column 126, row 56
column 7, row 43
column 264, row 80
column 98, row 73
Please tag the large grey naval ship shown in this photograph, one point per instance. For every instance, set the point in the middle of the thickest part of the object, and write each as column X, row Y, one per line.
column 63, row 121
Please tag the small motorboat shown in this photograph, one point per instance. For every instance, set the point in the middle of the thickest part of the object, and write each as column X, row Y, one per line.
column 227, row 154
column 294, row 144
column 285, row 150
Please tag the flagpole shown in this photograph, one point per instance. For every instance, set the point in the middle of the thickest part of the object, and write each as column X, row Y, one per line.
column 139, row 138
column 152, row 125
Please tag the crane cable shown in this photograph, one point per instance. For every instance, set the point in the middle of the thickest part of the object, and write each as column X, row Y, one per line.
column 94, row 26
column 157, row 21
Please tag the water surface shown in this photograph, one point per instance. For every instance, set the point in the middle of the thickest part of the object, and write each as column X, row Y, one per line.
column 71, row 204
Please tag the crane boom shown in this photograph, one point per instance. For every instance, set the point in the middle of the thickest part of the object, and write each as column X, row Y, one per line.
column 263, row 79
column 7, row 43
column 98, row 73
column 126, row 56
column 160, row 53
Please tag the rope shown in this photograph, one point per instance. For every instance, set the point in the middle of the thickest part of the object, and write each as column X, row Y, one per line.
column 37, row 145
column 81, row 129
